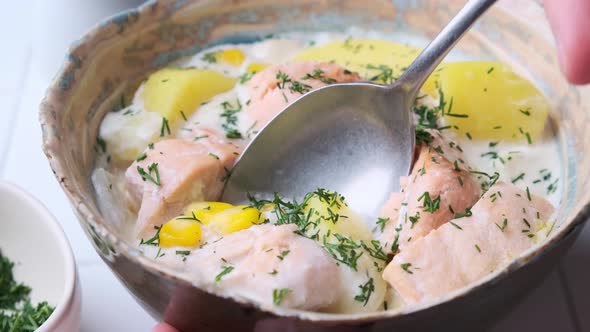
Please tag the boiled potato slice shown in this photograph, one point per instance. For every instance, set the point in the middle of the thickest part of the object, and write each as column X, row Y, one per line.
column 331, row 216
column 173, row 92
column 490, row 102
column 128, row 132
column 348, row 300
column 376, row 60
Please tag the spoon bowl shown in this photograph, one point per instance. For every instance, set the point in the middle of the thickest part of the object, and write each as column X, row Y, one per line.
column 342, row 137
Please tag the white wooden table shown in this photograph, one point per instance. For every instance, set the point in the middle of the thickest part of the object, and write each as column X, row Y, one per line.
column 34, row 36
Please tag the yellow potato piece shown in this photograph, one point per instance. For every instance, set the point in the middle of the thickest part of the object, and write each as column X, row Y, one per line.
column 232, row 56
column 333, row 217
column 174, row 91
column 180, row 233
column 205, row 211
column 372, row 59
column 235, row 219
column 490, row 102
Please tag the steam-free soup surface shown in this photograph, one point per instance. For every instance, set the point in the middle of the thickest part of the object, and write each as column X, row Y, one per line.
column 483, row 189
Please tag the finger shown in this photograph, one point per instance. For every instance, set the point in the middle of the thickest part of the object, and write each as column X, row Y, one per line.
column 570, row 22
column 163, row 327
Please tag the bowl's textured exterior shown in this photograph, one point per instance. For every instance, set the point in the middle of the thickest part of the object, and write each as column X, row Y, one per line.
column 116, row 55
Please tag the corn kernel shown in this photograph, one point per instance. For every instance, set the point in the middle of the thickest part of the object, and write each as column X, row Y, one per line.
column 235, row 219
column 232, row 56
column 180, row 233
column 204, row 211
column 255, row 67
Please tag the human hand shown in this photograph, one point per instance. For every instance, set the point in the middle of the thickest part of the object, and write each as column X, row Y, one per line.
column 570, row 22
column 163, row 327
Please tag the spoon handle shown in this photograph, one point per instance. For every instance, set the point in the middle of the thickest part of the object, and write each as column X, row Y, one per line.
column 417, row 73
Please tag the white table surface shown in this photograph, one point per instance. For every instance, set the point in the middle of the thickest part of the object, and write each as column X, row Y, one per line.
column 34, row 36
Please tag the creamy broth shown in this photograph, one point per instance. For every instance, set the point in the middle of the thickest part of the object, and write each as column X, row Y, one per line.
column 129, row 134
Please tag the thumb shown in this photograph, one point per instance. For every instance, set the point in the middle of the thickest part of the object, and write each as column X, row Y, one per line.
column 163, row 327
column 570, row 22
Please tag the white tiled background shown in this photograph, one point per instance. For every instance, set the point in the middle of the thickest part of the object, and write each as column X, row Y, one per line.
column 34, row 36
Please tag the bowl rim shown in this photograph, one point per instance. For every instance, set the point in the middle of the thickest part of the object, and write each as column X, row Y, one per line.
column 56, row 160
column 57, row 235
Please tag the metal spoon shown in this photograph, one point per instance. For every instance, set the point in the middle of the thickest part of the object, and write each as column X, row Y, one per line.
column 353, row 138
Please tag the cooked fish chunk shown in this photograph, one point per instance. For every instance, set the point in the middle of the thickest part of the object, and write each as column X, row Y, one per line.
column 364, row 289
column 275, row 87
column 389, row 218
column 502, row 225
column 435, row 191
column 175, row 172
column 271, row 265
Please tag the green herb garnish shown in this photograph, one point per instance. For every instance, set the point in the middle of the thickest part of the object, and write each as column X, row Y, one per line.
column 165, row 127
column 153, row 168
column 225, row 270
column 384, row 74
column 283, row 254
column 381, row 222
column 17, row 313
column 102, row 144
column 154, row 240
column 429, row 204
column 344, row 250
column 278, row 294
column 245, row 77
column 467, row 213
column 406, row 267
column 210, row 57
column 414, row 219
column 504, row 225
column 366, row 290
column 375, row 250
column 141, row 157
column 230, row 117
column 318, row 74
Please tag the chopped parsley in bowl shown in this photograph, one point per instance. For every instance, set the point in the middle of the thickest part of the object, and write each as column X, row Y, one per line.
column 17, row 312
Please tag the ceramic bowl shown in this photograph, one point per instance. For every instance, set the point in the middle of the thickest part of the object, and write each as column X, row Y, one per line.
column 35, row 242
column 113, row 58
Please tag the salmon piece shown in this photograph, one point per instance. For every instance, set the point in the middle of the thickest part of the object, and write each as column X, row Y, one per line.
column 275, row 87
column 390, row 213
column 187, row 171
column 502, row 226
column 199, row 132
column 437, row 188
column 268, row 257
